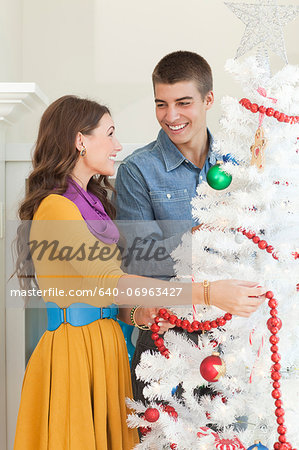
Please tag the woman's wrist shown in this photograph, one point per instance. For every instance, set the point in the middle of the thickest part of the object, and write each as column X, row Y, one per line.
column 135, row 318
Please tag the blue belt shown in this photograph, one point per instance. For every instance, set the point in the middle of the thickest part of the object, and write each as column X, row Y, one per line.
column 77, row 314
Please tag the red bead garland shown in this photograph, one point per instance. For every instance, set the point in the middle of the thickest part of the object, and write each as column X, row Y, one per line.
column 274, row 324
column 270, row 112
column 185, row 324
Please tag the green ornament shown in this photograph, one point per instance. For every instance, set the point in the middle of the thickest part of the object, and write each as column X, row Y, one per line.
column 217, row 178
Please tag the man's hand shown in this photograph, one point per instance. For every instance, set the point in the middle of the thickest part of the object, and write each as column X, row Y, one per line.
column 145, row 316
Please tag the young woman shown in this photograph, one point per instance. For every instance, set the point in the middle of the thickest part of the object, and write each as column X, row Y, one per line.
column 78, row 377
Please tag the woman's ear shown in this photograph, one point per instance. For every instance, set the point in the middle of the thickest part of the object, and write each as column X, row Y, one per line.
column 79, row 141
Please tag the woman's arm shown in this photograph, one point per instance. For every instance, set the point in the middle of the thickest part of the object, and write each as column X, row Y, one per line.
column 237, row 297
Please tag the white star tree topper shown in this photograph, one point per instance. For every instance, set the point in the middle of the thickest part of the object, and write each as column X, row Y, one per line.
column 264, row 22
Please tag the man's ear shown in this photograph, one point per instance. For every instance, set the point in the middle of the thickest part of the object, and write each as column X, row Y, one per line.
column 209, row 100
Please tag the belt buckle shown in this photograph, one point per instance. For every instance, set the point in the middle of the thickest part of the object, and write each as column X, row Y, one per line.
column 64, row 315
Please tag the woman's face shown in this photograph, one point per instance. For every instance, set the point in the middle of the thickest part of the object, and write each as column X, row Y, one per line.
column 101, row 148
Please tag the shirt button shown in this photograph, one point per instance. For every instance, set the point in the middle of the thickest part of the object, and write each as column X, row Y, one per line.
column 168, row 195
column 186, row 161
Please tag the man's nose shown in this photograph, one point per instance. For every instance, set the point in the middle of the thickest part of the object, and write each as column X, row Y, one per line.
column 172, row 114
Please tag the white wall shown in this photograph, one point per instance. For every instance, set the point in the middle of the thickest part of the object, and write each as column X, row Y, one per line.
column 107, row 49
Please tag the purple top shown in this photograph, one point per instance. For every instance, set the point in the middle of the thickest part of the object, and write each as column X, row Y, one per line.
column 93, row 212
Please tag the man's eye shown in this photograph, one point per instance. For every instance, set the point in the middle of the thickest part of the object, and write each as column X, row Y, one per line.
column 160, row 105
column 184, row 103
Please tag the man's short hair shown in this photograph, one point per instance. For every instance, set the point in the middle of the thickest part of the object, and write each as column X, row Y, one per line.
column 184, row 66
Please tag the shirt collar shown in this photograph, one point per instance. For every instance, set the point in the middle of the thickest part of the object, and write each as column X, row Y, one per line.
column 171, row 154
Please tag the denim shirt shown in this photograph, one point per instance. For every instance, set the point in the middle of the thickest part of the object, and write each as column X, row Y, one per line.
column 156, row 184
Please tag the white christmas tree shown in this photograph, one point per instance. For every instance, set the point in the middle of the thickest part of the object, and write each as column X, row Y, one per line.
column 250, row 231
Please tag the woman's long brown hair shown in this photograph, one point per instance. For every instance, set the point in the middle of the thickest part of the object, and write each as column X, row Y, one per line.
column 54, row 158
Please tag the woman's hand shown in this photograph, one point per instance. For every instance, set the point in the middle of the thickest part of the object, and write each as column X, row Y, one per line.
column 145, row 316
column 238, row 297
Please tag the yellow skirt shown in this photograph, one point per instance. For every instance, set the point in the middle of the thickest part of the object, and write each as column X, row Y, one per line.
column 74, row 391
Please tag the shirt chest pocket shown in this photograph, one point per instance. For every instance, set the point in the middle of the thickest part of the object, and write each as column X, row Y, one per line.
column 171, row 204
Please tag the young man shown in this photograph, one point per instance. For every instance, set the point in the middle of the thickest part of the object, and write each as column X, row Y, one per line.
column 158, row 181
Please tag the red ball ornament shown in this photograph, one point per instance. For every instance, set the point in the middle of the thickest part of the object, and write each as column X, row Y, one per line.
column 281, row 429
column 281, row 117
column 262, row 109
column 276, row 393
column 269, row 112
column 272, row 303
column 178, row 323
column 172, row 319
column 159, row 342
column 269, row 249
column 221, row 321
column 269, row 294
column 151, row 414
column 195, row 325
column 256, row 239
column 280, row 420
column 262, row 245
column 165, row 353
column 185, row 324
column 276, row 114
column 173, row 446
column 212, row 368
column 275, row 376
column 276, row 357
column 274, row 340
column 155, row 328
column 254, row 107
column 279, row 412
column 207, row 326
column 273, row 322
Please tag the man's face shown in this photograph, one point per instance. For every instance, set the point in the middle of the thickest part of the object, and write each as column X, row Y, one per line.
column 181, row 111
